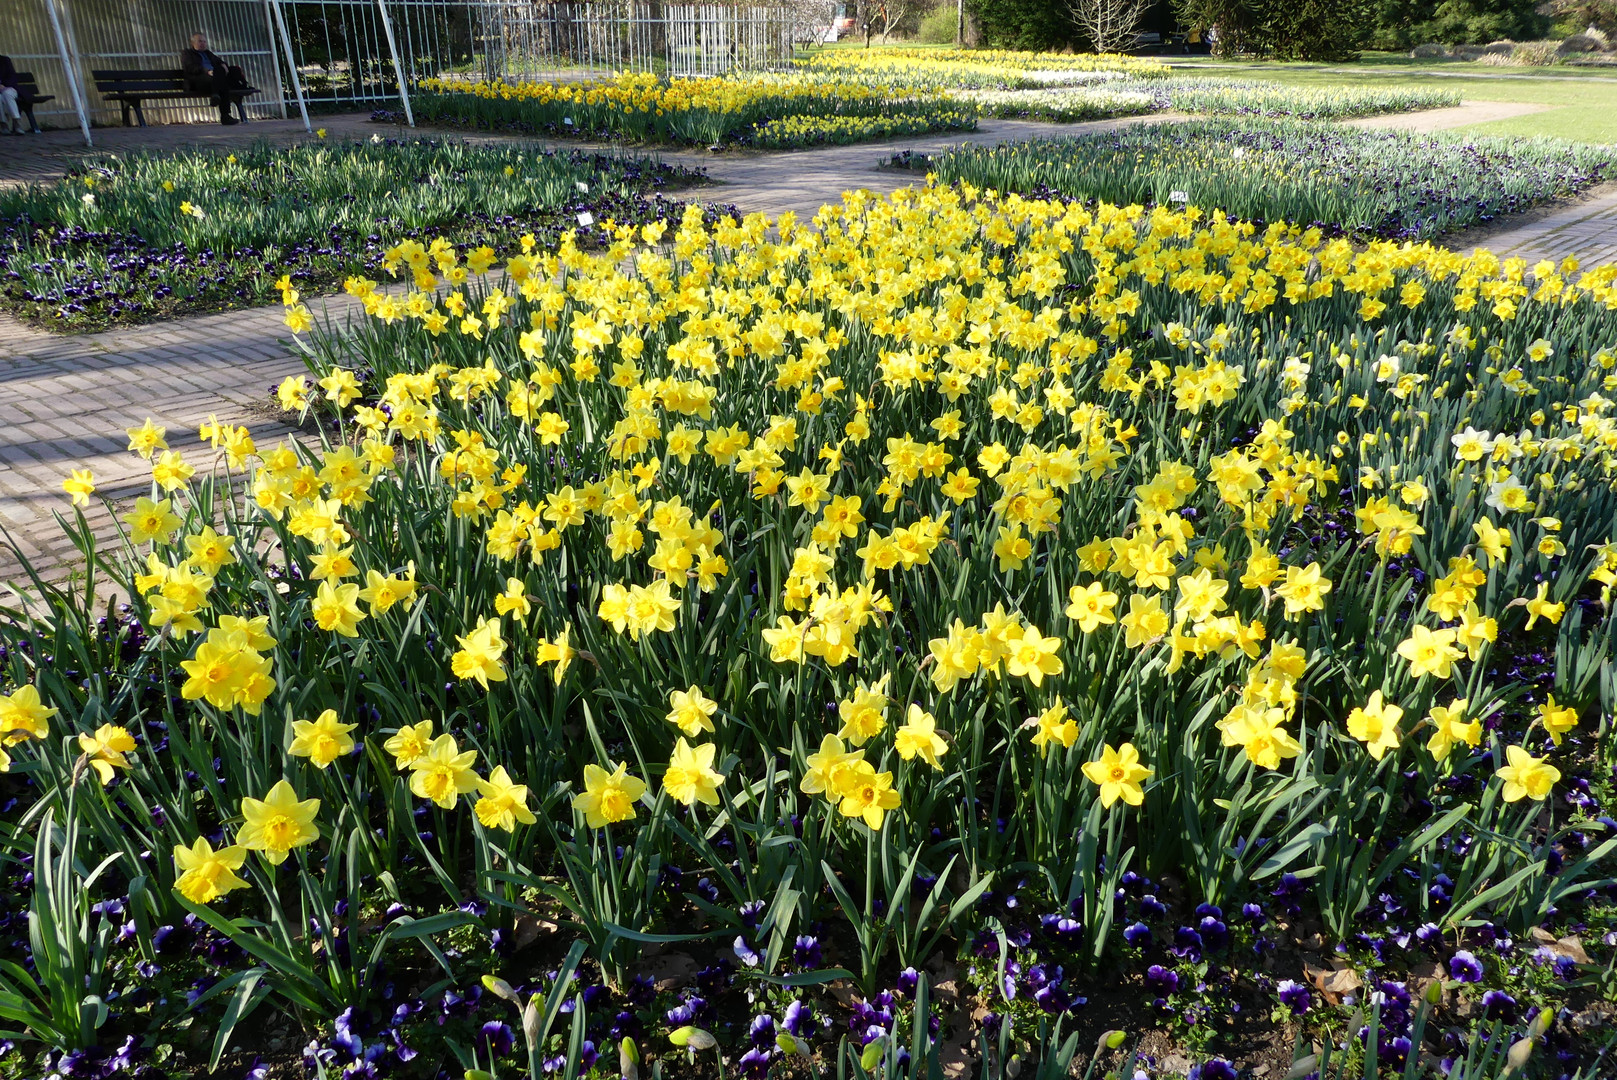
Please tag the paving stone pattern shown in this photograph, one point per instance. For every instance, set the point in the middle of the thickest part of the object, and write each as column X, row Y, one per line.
column 66, row 400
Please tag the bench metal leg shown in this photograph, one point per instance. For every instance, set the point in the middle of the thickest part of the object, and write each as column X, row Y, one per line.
column 140, row 114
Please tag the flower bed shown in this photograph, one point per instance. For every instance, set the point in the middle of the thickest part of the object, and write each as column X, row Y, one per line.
column 1366, row 183
column 1062, row 106
column 977, row 628
column 801, row 131
column 981, row 69
column 1259, row 98
column 700, row 112
column 134, row 238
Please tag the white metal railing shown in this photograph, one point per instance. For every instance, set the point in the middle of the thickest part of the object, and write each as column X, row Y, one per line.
column 541, row 40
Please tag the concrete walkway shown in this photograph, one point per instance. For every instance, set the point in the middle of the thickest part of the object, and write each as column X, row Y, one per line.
column 1472, row 112
column 65, row 400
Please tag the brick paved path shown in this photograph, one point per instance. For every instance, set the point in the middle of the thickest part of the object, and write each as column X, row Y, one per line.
column 1587, row 230
column 65, row 400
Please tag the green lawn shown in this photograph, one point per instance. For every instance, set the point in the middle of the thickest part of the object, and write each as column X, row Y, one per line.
column 1583, row 101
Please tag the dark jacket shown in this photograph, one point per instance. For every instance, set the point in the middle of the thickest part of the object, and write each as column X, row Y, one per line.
column 8, row 72
column 195, row 70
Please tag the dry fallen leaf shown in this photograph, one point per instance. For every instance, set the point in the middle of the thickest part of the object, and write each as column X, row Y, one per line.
column 1568, row 946
column 844, row 991
column 955, row 1057
column 1333, row 984
column 527, row 929
column 670, row 970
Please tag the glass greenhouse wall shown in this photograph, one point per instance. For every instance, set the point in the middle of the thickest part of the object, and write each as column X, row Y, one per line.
column 338, row 53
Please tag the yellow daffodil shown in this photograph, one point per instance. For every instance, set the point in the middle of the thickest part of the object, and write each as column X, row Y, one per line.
column 278, row 823
column 1053, row 727
column 80, row 485
column 1376, row 725
column 105, row 750
column 1118, row 774
column 1525, row 776
column 502, row 803
column 479, row 654
column 691, row 711
column 868, row 795
column 203, row 875
column 409, row 744
column 444, row 772
column 1556, row 720
column 608, row 797
column 24, row 715
column 918, row 738
column 321, row 740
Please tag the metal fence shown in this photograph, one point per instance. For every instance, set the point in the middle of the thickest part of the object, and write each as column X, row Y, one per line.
column 544, row 40
column 344, row 56
column 353, row 53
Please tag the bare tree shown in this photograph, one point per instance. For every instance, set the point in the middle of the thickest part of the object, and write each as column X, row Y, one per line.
column 880, row 16
column 810, row 19
column 1110, row 25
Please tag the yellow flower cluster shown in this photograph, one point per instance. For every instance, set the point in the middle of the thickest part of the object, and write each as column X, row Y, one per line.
column 1001, row 68
column 922, row 369
column 646, row 94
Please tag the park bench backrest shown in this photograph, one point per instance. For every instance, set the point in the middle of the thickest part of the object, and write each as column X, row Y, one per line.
column 121, row 80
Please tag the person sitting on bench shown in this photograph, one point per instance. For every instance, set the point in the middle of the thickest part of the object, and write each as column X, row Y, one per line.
column 10, row 109
column 206, row 73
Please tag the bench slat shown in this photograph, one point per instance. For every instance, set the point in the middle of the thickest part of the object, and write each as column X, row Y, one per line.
column 138, row 73
column 131, row 86
column 149, row 95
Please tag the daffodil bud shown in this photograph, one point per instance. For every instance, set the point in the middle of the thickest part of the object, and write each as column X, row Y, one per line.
column 1516, row 1060
column 693, row 1038
column 1110, row 1040
column 1541, row 1023
column 530, row 1020
column 500, row 988
column 478, row 1074
column 629, row 1059
column 791, row 1044
column 1434, row 992
column 872, row 1055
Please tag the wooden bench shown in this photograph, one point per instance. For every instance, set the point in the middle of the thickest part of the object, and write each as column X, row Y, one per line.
column 28, row 96
column 131, row 88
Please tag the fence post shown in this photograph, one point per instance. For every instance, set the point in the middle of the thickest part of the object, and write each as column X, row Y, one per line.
column 398, row 68
column 70, row 69
column 291, row 63
column 275, row 64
